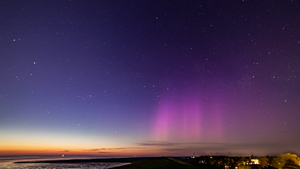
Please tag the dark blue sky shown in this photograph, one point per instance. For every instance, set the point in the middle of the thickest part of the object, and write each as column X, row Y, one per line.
column 149, row 77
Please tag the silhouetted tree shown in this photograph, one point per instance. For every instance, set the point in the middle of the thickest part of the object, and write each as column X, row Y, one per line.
column 264, row 162
column 286, row 159
column 240, row 163
column 290, row 164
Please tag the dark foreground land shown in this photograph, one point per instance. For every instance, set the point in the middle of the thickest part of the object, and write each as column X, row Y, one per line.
column 158, row 163
column 284, row 161
column 136, row 163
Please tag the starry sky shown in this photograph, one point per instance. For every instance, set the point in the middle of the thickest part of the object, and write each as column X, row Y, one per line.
column 149, row 78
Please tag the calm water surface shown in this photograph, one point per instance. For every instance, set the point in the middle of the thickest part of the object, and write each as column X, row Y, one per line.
column 9, row 162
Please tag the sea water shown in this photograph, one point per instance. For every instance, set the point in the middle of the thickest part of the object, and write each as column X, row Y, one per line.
column 8, row 162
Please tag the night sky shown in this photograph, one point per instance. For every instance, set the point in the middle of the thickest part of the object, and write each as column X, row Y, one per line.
column 149, row 78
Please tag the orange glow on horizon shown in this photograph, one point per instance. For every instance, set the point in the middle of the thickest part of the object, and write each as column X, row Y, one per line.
column 31, row 150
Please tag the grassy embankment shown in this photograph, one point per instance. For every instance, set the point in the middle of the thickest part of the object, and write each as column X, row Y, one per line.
column 158, row 163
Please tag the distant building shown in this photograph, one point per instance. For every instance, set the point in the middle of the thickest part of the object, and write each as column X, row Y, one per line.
column 254, row 161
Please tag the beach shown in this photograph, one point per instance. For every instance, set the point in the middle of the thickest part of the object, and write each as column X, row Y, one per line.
column 45, row 162
column 94, row 163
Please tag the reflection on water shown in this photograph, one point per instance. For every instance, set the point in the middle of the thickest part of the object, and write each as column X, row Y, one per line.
column 60, row 166
column 9, row 162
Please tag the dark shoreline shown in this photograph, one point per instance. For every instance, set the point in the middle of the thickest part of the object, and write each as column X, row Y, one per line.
column 129, row 163
column 104, row 160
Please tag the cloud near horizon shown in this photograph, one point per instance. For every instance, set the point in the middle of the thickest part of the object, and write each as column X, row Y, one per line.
column 103, row 149
column 165, row 143
column 157, row 143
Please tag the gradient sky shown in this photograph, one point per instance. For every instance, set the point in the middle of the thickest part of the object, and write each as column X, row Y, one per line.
column 149, row 77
